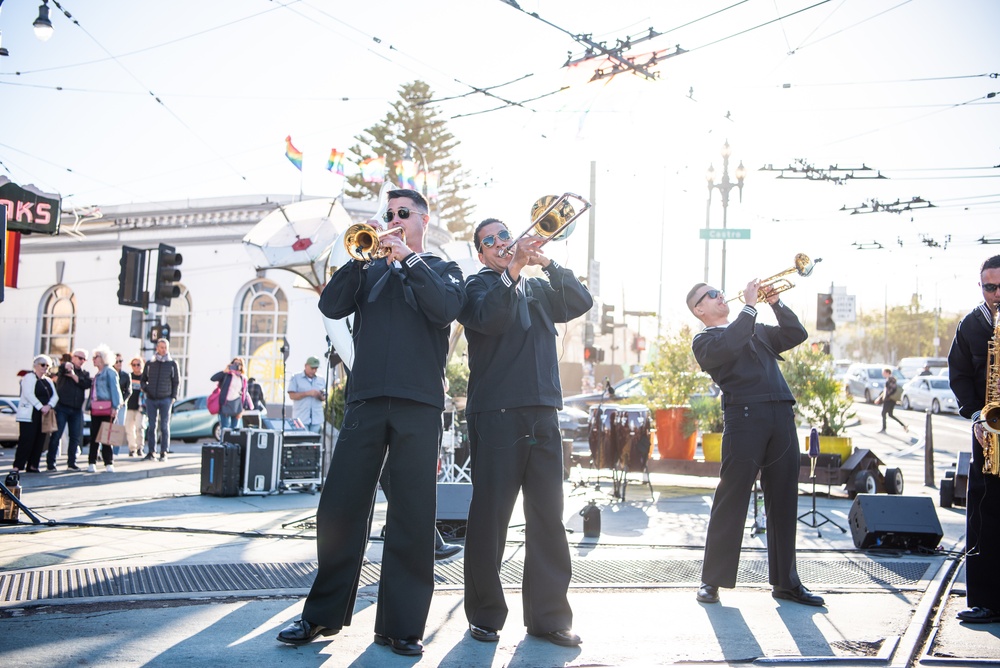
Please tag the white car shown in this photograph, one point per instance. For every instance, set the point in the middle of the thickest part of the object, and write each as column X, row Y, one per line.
column 9, row 429
column 933, row 392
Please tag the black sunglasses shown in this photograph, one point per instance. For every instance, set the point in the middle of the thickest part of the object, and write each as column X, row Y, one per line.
column 990, row 287
column 402, row 212
column 490, row 239
column 711, row 294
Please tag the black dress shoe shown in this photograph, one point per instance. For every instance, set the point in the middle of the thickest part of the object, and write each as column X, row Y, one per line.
column 73, row 467
column 404, row 646
column 484, row 633
column 800, row 595
column 707, row 593
column 300, row 632
column 563, row 637
column 979, row 615
column 446, row 550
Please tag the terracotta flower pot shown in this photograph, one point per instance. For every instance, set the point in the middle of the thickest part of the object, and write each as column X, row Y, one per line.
column 670, row 440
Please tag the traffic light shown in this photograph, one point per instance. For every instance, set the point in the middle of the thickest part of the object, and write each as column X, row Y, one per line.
column 593, row 354
column 167, row 274
column 157, row 332
column 130, row 278
column 607, row 319
column 824, row 313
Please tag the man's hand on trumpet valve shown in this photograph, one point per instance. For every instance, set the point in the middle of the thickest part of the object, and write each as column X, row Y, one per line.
column 396, row 246
column 750, row 292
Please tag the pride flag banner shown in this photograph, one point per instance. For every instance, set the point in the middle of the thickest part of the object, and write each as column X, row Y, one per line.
column 293, row 154
column 406, row 173
column 335, row 163
column 373, row 170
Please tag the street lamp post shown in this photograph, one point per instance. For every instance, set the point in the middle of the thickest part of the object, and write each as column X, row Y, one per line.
column 423, row 161
column 724, row 186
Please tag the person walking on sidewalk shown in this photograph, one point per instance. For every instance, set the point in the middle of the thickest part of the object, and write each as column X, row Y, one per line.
column 403, row 306
column 159, row 383
column 72, row 383
column 106, row 388
column 135, row 408
column 968, row 371
column 513, row 398
column 758, row 437
column 890, row 395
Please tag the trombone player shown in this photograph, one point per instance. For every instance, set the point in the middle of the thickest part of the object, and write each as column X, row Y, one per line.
column 758, row 437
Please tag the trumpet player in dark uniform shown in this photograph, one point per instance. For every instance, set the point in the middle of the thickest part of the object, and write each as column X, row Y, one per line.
column 758, row 437
column 403, row 306
column 971, row 373
column 514, row 394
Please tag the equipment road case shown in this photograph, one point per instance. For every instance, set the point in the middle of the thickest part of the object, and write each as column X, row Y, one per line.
column 221, row 469
column 261, row 451
column 301, row 465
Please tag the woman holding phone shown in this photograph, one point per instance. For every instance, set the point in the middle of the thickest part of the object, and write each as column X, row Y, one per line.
column 233, row 397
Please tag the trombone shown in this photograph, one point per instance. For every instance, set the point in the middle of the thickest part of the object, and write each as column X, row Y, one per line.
column 552, row 224
column 775, row 284
column 364, row 242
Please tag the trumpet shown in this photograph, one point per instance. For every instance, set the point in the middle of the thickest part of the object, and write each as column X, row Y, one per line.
column 364, row 242
column 777, row 283
column 555, row 222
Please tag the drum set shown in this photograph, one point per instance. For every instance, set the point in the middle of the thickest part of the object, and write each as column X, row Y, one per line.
column 619, row 437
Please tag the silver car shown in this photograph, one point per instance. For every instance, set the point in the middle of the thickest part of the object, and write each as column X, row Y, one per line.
column 9, row 430
column 866, row 380
column 933, row 392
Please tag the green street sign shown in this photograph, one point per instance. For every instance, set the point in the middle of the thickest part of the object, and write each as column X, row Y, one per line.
column 724, row 234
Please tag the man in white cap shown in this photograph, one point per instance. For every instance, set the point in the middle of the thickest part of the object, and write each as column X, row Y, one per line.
column 308, row 392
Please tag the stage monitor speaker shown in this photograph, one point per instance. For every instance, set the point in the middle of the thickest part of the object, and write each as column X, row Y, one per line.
column 453, row 499
column 894, row 522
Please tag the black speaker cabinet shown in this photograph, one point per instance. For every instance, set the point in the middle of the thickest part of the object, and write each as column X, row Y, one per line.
column 894, row 522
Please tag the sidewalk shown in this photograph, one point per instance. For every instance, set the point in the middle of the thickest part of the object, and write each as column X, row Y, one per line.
column 141, row 569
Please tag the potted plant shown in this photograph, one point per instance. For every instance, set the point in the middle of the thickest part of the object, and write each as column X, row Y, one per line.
column 820, row 400
column 674, row 376
column 706, row 414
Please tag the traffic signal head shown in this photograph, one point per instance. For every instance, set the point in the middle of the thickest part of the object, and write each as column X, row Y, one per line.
column 607, row 319
column 157, row 332
column 167, row 275
column 131, row 277
column 593, row 354
column 824, row 313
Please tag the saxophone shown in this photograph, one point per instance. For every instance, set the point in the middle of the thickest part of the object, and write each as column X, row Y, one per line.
column 990, row 415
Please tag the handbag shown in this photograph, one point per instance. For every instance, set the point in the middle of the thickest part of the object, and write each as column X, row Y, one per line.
column 49, row 422
column 897, row 394
column 111, row 433
column 213, row 400
column 101, row 407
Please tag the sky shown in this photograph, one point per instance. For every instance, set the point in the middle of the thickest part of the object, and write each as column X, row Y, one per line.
column 152, row 102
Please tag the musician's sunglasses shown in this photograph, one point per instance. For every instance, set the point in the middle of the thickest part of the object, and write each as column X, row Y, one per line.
column 402, row 212
column 990, row 287
column 490, row 239
column 711, row 294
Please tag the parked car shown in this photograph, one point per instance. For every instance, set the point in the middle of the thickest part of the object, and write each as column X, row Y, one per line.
column 912, row 366
column 866, row 380
column 191, row 421
column 574, row 423
column 623, row 389
column 839, row 369
column 9, row 431
column 933, row 392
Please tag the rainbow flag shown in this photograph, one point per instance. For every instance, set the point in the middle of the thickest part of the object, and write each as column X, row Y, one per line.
column 293, row 154
column 373, row 170
column 406, row 174
column 335, row 163
column 433, row 182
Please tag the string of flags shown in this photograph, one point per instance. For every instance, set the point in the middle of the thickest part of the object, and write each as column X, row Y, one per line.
column 373, row 170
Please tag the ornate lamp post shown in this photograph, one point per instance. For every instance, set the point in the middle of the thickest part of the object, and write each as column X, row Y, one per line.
column 724, row 186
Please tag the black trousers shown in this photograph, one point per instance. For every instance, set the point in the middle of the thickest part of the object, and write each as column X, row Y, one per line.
column 757, row 437
column 405, row 434
column 31, row 442
column 982, row 560
column 512, row 450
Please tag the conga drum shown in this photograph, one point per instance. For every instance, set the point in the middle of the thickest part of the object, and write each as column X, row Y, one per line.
column 634, row 426
column 601, row 436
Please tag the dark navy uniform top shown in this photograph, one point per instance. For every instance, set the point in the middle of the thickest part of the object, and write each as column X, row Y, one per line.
column 401, row 327
column 967, row 360
column 742, row 357
column 511, row 330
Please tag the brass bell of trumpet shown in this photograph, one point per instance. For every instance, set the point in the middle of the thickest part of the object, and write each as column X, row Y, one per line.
column 775, row 284
column 364, row 242
column 552, row 218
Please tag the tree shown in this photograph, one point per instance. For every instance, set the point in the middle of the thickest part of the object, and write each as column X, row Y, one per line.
column 890, row 334
column 820, row 400
column 413, row 129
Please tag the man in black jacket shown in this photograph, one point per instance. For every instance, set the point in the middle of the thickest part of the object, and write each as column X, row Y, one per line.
column 403, row 307
column 72, row 383
column 758, row 437
column 968, row 370
column 513, row 398
column 160, row 380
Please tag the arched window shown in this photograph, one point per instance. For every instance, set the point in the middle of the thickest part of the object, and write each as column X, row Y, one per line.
column 58, row 322
column 263, row 323
column 179, row 319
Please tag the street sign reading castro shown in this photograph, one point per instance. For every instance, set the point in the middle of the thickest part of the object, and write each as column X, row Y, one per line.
column 734, row 233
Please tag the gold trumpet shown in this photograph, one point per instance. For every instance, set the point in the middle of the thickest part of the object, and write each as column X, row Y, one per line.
column 364, row 242
column 775, row 284
column 555, row 221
